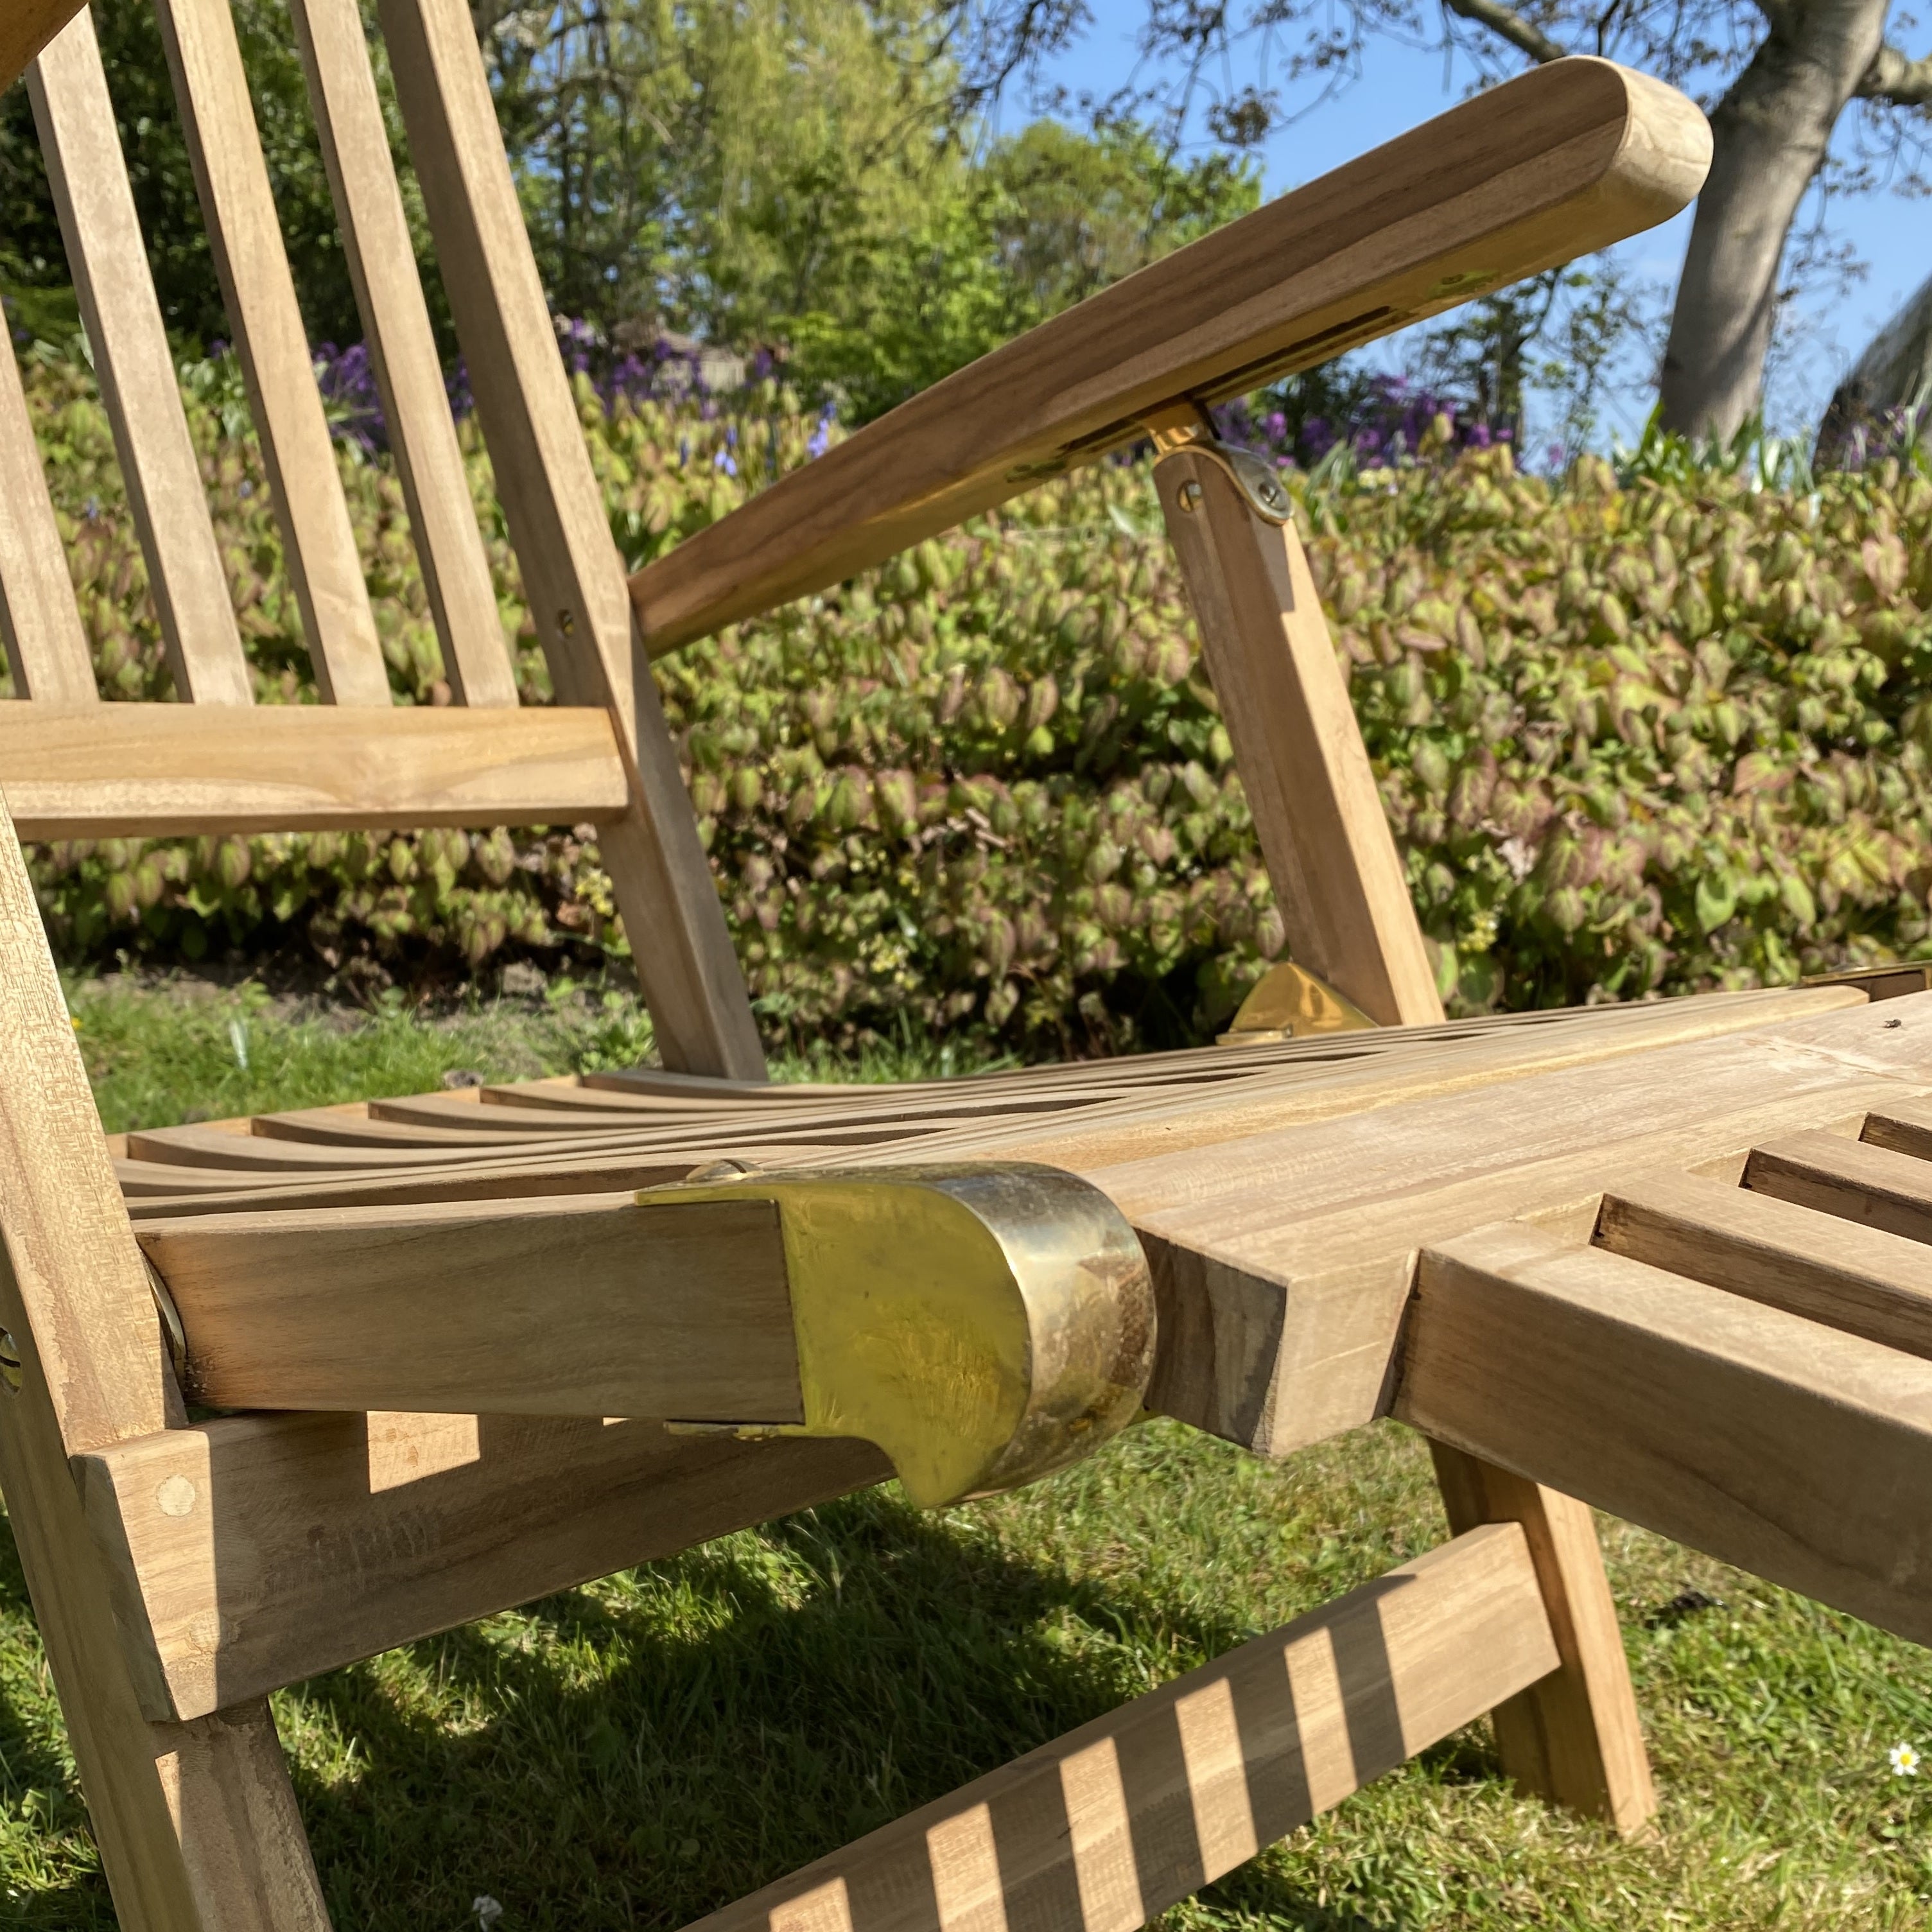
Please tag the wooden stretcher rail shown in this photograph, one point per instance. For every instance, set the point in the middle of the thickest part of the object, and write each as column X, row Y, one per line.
column 1109, row 1825
column 1566, row 158
column 164, row 770
column 1789, row 1447
column 26, row 27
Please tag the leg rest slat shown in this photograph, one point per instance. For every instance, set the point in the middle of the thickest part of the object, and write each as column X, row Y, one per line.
column 1116, row 1821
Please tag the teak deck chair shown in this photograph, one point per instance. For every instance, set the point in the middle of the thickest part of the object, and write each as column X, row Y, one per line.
column 463, row 1350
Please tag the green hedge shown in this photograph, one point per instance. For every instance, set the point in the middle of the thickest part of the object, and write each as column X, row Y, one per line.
column 1654, row 737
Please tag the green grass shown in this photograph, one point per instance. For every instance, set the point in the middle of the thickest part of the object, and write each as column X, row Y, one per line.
column 638, row 1752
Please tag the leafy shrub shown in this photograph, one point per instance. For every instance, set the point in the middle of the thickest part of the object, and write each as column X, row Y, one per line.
column 1634, row 739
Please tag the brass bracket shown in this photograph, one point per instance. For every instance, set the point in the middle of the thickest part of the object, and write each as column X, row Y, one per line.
column 984, row 1325
column 1288, row 1002
column 1184, row 428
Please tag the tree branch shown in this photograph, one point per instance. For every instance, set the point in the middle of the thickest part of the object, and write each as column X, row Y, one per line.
column 1891, row 77
column 1507, row 22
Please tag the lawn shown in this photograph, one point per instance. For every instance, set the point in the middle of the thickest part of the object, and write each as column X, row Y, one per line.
column 638, row 1752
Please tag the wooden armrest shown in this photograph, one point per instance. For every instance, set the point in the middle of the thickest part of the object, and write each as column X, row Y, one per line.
column 1565, row 159
column 26, row 27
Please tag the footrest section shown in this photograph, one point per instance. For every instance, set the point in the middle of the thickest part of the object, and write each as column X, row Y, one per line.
column 1118, row 1820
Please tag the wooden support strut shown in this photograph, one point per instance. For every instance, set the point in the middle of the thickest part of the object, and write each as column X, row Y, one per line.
column 1337, row 877
column 197, row 1822
column 1105, row 1828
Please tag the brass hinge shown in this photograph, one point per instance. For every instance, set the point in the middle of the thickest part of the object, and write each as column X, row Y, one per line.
column 1185, row 428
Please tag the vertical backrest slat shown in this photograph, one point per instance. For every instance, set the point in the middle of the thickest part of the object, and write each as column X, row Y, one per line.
column 39, row 620
column 238, row 204
column 402, row 346
column 135, row 368
column 571, row 567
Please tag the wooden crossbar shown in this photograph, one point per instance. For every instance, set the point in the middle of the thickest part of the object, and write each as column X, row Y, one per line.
column 1108, row 1826
column 25, row 27
column 1566, row 158
column 1791, row 1447
column 163, row 770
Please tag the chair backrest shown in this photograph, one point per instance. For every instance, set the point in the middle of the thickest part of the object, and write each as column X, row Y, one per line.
column 1560, row 161
column 75, row 768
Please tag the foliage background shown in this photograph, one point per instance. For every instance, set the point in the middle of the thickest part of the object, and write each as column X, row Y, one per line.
column 1636, row 735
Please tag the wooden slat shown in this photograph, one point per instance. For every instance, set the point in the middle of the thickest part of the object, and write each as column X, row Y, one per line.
column 161, row 770
column 189, row 1818
column 579, row 1306
column 1861, row 1279
column 245, row 234
column 136, row 369
column 1852, row 1179
column 39, row 621
column 1284, row 1262
column 1337, row 877
column 25, row 27
column 1574, row 1737
column 691, row 981
column 1792, row 1449
column 1904, row 1129
column 1109, row 1825
column 273, row 1547
column 408, row 372
column 1562, row 159
column 197, row 1193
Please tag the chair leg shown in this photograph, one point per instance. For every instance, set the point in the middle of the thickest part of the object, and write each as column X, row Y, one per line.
column 197, row 1822
column 1574, row 1739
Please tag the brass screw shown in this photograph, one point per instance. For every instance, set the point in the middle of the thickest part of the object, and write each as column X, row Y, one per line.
column 10, row 1362
column 1190, row 497
column 566, row 622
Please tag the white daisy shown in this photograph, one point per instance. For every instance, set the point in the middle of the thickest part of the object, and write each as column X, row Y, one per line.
column 1904, row 1761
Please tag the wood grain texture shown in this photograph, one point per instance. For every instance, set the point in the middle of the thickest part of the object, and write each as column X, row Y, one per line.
column 269, row 1548
column 1574, row 1737
column 402, row 348
column 1568, row 157
column 689, row 975
column 1853, row 1179
column 1106, row 1827
column 575, row 1306
column 176, row 1810
column 1337, row 878
column 1862, row 1279
column 1795, row 1451
column 25, row 27
column 161, row 770
column 39, row 620
column 135, row 367
column 245, row 237
column 1283, row 1263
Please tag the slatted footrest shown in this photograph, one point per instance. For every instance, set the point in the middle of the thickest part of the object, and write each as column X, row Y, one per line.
column 1116, row 1821
column 1743, row 1368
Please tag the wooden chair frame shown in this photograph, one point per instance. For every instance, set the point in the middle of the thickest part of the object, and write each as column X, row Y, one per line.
column 172, row 1565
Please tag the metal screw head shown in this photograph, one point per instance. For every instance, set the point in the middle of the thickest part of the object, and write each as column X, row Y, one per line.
column 1190, row 497
column 10, row 1362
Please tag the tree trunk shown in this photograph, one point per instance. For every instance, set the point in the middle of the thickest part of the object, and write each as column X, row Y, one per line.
column 1893, row 376
column 1770, row 134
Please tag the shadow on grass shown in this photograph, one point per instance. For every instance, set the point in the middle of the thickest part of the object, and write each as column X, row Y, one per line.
column 640, row 1754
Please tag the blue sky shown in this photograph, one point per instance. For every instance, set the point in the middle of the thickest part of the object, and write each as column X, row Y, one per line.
column 1402, row 86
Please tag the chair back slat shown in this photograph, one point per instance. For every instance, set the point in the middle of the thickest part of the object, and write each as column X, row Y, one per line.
column 39, row 620
column 402, row 347
column 569, row 560
column 244, row 231
column 135, row 368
